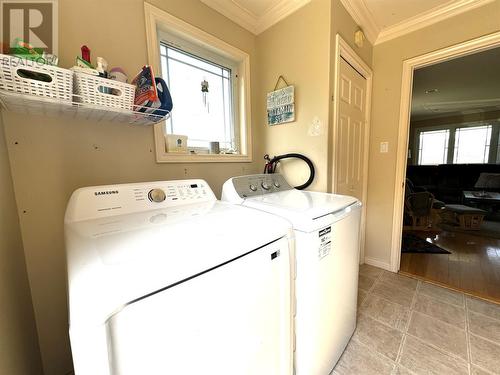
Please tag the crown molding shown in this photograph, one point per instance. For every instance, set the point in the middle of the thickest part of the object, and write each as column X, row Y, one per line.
column 376, row 35
column 235, row 13
column 462, row 105
column 428, row 18
column 248, row 20
column 363, row 17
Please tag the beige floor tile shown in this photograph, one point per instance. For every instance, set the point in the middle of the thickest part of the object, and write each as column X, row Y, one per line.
column 378, row 337
column 439, row 334
column 443, row 311
column 393, row 293
column 478, row 371
column 400, row 370
column 392, row 314
column 486, row 308
column 361, row 297
column 485, row 354
column 365, row 282
column 423, row 359
column 370, row 271
column 360, row 360
column 484, row 326
column 442, row 294
column 399, row 280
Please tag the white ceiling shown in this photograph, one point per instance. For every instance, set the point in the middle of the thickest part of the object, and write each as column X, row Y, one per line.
column 256, row 7
column 390, row 12
column 382, row 20
column 469, row 84
column 256, row 15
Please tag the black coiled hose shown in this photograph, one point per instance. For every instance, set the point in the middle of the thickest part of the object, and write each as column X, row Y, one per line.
column 271, row 165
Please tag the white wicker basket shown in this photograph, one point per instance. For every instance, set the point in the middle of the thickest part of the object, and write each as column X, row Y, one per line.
column 17, row 75
column 104, row 92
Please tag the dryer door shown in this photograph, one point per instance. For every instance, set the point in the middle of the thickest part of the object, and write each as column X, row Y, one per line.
column 235, row 319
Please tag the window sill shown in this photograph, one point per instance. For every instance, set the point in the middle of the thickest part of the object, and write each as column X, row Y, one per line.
column 202, row 158
column 172, row 157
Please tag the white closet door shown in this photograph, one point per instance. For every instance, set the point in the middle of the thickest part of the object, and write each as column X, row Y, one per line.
column 351, row 132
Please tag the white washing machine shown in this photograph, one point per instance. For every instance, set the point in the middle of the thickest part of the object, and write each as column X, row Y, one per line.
column 164, row 279
column 326, row 229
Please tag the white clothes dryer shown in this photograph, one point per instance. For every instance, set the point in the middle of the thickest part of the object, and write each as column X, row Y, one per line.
column 326, row 230
column 164, row 279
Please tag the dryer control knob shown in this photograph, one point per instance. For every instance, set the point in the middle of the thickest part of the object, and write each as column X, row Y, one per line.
column 265, row 186
column 277, row 184
column 157, row 195
column 253, row 187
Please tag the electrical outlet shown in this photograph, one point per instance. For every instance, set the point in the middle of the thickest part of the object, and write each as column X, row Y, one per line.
column 384, row 147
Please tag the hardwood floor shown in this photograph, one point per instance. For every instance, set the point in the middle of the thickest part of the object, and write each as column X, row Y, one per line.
column 472, row 267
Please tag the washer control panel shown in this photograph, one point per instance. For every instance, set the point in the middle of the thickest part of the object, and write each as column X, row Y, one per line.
column 157, row 195
column 102, row 201
column 259, row 184
column 174, row 191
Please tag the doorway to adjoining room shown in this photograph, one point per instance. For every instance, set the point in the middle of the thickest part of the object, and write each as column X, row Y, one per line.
column 451, row 221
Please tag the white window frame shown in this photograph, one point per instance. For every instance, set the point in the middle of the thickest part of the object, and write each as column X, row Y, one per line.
column 418, row 139
column 168, row 40
column 456, row 147
column 494, row 139
column 159, row 22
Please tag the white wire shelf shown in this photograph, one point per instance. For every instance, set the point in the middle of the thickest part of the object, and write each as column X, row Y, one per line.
column 37, row 105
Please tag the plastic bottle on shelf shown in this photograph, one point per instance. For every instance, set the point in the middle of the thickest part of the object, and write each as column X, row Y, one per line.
column 102, row 68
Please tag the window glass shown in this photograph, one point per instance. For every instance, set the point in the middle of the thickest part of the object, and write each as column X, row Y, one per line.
column 203, row 99
column 433, row 147
column 472, row 144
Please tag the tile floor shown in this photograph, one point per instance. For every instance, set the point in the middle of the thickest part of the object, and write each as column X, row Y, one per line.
column 406, row 327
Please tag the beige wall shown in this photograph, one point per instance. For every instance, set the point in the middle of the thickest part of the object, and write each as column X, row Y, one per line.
column 343, row 24
column 53, row 156
column 19, row 352
column 387, row 64
column 298, row 49
column 301, row 48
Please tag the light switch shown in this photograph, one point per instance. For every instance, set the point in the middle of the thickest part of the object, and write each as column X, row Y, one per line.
column 315, row 128
column 384, row 147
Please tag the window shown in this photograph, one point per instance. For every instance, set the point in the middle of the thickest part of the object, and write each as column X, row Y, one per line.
column 209, row 81
column 459, row 144
column 472, row 144
column 433, row 147
column 204, row 96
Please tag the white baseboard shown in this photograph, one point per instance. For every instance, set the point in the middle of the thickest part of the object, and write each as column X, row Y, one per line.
column 378, row 263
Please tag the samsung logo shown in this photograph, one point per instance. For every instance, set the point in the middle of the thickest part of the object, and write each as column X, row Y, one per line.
column 106, row 192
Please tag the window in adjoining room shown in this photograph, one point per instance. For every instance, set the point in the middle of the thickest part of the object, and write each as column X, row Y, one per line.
column 472, row 144
column 433, row 147
column 467, row 143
